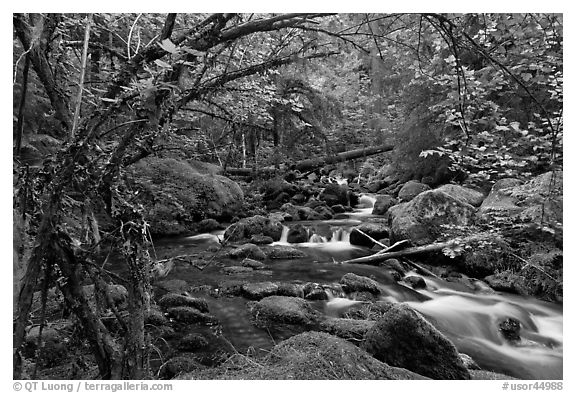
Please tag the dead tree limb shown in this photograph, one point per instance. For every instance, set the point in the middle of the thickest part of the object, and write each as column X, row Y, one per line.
column 382, row 256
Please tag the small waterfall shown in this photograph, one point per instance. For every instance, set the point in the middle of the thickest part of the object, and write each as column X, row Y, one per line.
column 284, row 235
column 339, row 235
column 365, row 205
column 366, row 201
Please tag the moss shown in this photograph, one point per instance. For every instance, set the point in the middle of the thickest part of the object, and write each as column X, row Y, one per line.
column 307, row 356
column 190, row 315
column 175, row 300
column 175, row 195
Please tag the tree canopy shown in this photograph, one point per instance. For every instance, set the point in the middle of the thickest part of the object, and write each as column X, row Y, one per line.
column 96, row 93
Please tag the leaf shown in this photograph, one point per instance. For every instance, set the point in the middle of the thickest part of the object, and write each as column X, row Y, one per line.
column 194, row 52
column 168, row 46
column 162, row 64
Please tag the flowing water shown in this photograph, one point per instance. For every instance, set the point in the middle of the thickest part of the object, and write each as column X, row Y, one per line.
column 469, row 319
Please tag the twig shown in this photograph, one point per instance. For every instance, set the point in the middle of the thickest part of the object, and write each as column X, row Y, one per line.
column 420, row 269
column 385, row 247
column 82, row 74
column 529, row 264
column 130, row 35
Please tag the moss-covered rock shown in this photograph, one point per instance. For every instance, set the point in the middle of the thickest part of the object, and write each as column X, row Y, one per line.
column 307, row 356
column 247, row 250
column 402, row 338
column 285, row 252
column 468, row 195
column 192, row 342
column 259, row 290
column 383, row 203
column 538, row 200
column 234, row 270
column 178, row 365
column 190, row 315
column 422, row 219
column 274, row 310
column 354, row 283
column 353, row 330
column 375, row 230
column 175, row 300
column 256, row 225
column 175, row 194
column 411, row 189
column 254, row 264
column 297, row 234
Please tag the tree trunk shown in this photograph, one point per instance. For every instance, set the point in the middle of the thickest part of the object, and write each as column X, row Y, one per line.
column 313, row 163
column 37, row 53
column 20, row 123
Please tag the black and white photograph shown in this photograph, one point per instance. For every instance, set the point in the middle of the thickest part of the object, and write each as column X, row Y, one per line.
column 287, row 196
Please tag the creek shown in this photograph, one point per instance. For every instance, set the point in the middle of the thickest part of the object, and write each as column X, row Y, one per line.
column 469, row 319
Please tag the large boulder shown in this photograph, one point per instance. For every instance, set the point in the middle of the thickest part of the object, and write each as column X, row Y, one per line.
column 383, row 203
column 354, row 283
column 297, row 234
column 285, row 252
column 375, row 230
column 175, row 194
column 538, row 200
column 353, row 330
column 247, row 250
column 308, row 356
column 411, row 189
column 301, row 212
column 402, row 338
column 421, row 219
column 256, row 225
column 259, row 290
column 335, row 194
column 468, row 195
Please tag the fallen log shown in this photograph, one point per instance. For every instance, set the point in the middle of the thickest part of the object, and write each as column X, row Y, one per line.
column 382, row 256
column 313, row 163
column 341, row 157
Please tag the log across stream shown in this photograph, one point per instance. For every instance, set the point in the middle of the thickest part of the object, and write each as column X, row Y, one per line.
column 469, row 319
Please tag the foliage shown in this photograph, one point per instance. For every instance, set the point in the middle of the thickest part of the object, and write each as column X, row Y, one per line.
column 484, row 90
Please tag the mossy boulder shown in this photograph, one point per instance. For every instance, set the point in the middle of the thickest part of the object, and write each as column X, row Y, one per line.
column 382, row 204
column 297, row 234
column 411, row 189
column 254, row 264
column 178, row 365
column 353, row 330
column 354, row 283
column 468, row 195
column 422, row 220
column 537, row 200
column 402, row 338
column 375, row 230
column 192, row 342
column 190, row 315
column 283, row 310
column 256, row 225
column 259, row 290
column 175, row 300
column 285, row 252
column 307, row 356
column 335, row 194
column 247, row 250
column 176, row 194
